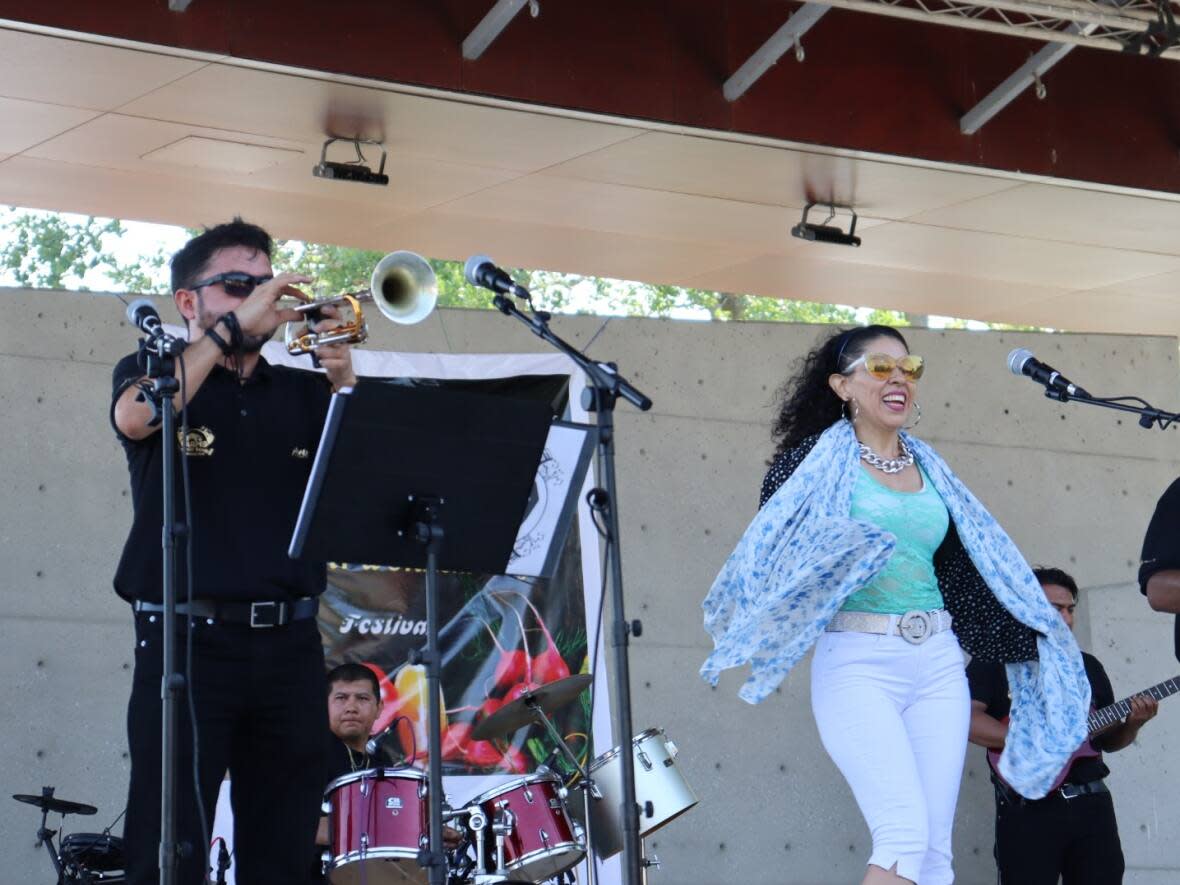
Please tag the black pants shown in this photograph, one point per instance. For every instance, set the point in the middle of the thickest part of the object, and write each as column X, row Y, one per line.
column 261, row 714
column 1076, row 839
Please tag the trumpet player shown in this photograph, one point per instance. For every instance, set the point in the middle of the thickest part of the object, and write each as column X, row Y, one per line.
column 257, row 677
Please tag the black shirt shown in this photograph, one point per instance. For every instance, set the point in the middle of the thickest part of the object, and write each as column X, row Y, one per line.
column 1161, row 545
column 989, row 684
column 249, row 452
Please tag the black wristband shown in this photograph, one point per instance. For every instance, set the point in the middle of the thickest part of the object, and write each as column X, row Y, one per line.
column 222, row 344
column 235, row 330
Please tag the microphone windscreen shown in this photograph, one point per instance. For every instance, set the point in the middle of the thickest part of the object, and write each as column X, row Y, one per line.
column 138, row 308
column 471, row 268
column 1017, row 359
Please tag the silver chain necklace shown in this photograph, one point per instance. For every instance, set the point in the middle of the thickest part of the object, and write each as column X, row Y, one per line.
column 887, row 465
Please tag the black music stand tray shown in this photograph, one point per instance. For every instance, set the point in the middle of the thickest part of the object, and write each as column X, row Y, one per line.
column 396, row 464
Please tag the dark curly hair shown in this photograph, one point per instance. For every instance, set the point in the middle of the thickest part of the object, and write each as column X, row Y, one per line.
column 189, row 262
column 807, row 405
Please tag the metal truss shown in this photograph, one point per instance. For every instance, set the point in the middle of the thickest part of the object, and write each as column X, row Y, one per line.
column 1138, row 26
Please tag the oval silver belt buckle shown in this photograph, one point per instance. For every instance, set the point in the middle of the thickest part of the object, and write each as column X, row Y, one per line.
column 915, row 627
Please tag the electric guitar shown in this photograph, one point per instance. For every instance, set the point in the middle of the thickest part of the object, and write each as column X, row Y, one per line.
column 1098, row 722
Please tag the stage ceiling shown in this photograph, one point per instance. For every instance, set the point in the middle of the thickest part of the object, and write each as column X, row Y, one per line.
column 596, row 139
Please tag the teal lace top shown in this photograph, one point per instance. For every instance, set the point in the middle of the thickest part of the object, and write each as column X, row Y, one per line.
column 919, row 521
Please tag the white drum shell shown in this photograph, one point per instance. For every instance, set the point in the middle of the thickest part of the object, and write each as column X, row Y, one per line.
column 657, row 780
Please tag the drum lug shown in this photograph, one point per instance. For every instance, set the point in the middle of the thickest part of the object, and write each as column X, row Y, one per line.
column 645, row 761
column 544, row 837
column 325, row 807
column 528, row 795
column 673, row 750
column 422, row 789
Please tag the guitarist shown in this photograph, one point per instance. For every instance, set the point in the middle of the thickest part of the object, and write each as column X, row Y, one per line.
column 1072, row 832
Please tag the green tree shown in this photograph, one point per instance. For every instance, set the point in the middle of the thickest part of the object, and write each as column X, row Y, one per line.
column 47, row 250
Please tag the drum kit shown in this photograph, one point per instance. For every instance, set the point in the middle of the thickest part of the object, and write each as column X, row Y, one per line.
column 526, row 830
column 83, row 858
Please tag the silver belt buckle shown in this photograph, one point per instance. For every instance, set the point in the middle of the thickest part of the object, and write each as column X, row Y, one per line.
column 257, row 608
column 915, row 627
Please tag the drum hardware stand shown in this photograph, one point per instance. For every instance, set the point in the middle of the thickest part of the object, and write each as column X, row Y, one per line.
column 647, row 861
column 157, row 356
column 606, row 386
column 45, row 837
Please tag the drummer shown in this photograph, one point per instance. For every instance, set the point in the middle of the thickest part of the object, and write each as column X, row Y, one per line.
column 354, row 706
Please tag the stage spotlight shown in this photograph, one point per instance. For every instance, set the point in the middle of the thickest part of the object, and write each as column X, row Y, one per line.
column 353, row 170
column 825, row 233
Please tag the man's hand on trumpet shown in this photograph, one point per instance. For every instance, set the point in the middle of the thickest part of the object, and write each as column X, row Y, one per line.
column 335, row 359
column 260, row 313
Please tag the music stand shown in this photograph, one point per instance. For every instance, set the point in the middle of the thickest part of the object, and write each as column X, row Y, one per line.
column 395, row 465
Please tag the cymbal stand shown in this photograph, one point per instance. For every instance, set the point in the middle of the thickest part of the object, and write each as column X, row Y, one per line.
column 45, row 837
column 585, row 782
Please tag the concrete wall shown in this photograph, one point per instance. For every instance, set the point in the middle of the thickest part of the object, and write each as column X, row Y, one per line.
column 1074, row 485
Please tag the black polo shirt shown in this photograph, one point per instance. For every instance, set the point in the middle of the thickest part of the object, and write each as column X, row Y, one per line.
column 249, row 451
column 1161, row 545
column 989, row 684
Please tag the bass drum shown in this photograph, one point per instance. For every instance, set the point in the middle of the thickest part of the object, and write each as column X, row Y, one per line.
column 657, row 780
column 378, row 819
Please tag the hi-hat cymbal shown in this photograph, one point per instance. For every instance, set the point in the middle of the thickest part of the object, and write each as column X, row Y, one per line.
column 518, row 713
column 58, row 806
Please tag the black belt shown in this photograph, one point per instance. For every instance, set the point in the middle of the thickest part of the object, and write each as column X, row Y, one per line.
column 255, row 614
column 1065, row 791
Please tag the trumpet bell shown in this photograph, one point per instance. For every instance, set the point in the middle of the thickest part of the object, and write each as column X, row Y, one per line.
column 404, row 287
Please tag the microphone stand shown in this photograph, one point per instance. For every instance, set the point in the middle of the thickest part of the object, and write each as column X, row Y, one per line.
column 606, row 386
column 158, row 354
column 1148, row 414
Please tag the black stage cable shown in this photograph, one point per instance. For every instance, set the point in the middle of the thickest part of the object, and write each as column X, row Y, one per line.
column 596, row 507
column 202, row 812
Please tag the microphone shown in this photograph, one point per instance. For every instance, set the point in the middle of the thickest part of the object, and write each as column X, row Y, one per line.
column 482, row 271
column 373, row 744
column 142, row 314
column 1022, row 362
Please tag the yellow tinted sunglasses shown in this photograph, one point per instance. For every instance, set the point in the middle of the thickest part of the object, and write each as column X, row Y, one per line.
column 881, row 365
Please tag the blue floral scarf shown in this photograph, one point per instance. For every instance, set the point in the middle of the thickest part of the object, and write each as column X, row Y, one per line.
column 803, row 555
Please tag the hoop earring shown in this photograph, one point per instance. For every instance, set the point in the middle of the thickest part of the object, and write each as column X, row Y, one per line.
column 849, row 414
column 917, row 416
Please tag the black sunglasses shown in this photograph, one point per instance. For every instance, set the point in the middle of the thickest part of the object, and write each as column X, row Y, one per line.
column 236, row 283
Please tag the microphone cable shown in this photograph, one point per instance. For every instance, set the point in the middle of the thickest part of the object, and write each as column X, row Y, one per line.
column 186, row 492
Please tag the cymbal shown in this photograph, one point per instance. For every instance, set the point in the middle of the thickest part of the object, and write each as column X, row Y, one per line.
column 518, row 713
column 58, row 806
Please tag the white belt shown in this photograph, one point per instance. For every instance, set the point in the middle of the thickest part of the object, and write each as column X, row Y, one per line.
column 914, row 627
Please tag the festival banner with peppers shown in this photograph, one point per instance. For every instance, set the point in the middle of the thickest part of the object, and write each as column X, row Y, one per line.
column 500, row 635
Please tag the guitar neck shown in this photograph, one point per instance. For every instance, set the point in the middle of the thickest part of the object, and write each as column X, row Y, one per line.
column 1100, row 720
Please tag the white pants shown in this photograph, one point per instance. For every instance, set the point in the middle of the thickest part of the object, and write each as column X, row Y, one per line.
column 894, row 717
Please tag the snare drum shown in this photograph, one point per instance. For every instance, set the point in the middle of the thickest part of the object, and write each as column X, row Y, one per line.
column 378, row 819
column 542, row 842
column 657, row 780
column 92, row 857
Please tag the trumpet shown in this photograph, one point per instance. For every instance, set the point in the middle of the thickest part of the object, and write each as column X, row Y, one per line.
column 403, row 287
